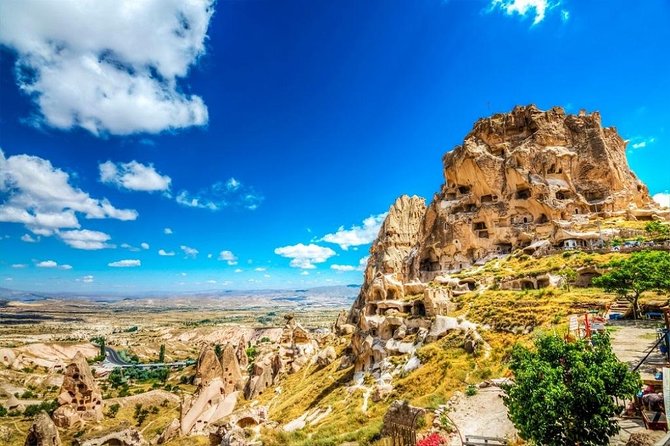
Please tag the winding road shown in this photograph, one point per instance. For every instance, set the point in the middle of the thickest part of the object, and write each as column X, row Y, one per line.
column 114, row 359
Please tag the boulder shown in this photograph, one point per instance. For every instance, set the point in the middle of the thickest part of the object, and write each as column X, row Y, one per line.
column 326, row 356
column 43, row 432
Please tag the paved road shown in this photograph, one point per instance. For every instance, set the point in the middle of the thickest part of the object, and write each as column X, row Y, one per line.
column 115, row 360
column 114, row 357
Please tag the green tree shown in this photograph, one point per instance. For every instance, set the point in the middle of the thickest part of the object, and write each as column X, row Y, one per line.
column 563, row 391
column 657, row 229
column 569, row 275
column 113, row 410
column 632, row 276
column 161, row 353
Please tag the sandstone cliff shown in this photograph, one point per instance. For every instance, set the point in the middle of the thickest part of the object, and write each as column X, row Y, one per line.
column 528, row 179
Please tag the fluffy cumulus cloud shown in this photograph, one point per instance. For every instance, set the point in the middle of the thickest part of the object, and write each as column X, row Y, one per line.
column 134, row 176
column 144, row 245
column 51, row 264
column 126, row 263
column 88, row 279
column 228, row 257
column 231, row 193
column 189, row 252
column 535, row 8
column 167, row 231
column 345, row 268
column 663, row 199
column 356, row 235
column 81, row 63
column 164, row 253
column 305, row 256
column 36, row 194
column 85, row 239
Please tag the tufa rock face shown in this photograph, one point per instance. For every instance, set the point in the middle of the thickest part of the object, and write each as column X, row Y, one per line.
column 80, row 399
column 219, row 382
column 525, row 180
column 208, row 367
column 43, row 432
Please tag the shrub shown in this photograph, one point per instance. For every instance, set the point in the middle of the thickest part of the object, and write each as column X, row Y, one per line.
column 113, row 410
column 471, row 390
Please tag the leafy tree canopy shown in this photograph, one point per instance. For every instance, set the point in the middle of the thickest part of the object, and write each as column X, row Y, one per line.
column 562, row 395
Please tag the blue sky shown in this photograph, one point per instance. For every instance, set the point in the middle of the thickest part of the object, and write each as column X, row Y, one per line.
column 269, row 136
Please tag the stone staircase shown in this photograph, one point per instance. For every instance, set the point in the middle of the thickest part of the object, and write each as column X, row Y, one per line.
column 619, row 309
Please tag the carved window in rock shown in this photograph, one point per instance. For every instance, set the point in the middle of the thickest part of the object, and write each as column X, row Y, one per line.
column 504, row 248
column 523, row 194
column 563, row 195
column 542, row 219
column 489, row 198
column 464, row 190
column 478, row 226
column 451, row 195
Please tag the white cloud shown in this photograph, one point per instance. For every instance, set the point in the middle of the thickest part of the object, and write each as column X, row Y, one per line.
column 87, row 279
column 129, row 247
column 127, row 263
column 85, row 239
column 144, row 245
column 29, row 238
column 538, row 8
column 162, row 252
column 219, row 195
column 267, row 276
column 362, row 263
column 65, row 266
column 233, row 184
column 641, row 143
column 356, row 235
column 41, row 197
column 189, row 252
column 211, row 281
column 19, row 265
column 229, row 257
column 47, row 264
column 343, row 267
column 167, row 231
column 305, row 256
column 260, row 269
column 109, row 65
column 238, row 270
column 304, row 273
column 663, row 199
column 133, row 176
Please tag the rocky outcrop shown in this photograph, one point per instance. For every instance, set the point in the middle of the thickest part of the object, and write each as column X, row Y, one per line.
column 208, row 367
column 43, row 432
column 216, row 395
column 263, row 377
column 80, row 399
column 296, row 345
column 526, row 180
column 126, row 437
column 232, row 375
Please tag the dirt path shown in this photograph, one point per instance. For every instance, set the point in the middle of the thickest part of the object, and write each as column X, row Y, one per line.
column 482, row 414
column 631, row 340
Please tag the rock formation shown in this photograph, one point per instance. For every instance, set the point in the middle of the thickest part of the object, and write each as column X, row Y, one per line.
column 126, row 437
column 216, row 395
column 43, row 432
column 231, row 373
column 296, row 346
column 80, row 399
column 264, row 374
column 525, row 180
